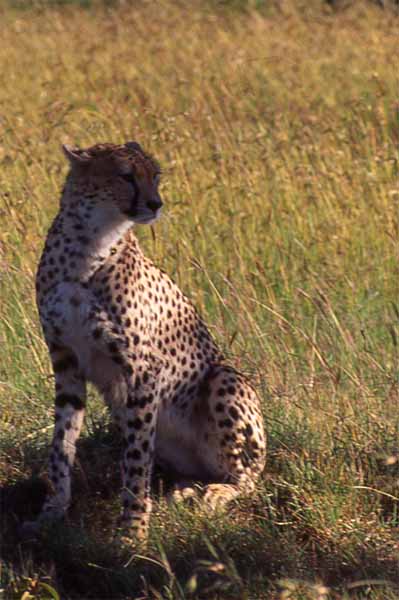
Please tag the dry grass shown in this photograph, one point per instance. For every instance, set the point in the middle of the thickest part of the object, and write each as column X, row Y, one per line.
column 278, row 135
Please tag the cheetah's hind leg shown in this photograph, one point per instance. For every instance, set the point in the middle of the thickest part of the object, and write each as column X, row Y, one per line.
column 217, row 495
column 185, row 490
column 230, row 430
column 212, row 497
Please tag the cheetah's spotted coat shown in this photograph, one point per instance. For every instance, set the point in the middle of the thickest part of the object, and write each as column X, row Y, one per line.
column 110, row 316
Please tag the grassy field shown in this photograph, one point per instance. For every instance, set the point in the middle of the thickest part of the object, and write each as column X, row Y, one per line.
column 278, row 134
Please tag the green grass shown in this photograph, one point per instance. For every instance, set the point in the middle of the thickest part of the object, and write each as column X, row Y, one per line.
column 278, row 134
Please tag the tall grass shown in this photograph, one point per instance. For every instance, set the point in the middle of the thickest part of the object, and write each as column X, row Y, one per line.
column 278, row 136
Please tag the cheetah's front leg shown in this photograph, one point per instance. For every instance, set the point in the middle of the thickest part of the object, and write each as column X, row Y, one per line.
column 70, row 400
column 138, row 423
column 134, row 405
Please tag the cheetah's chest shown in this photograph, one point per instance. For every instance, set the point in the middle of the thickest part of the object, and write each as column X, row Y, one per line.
column 67, row 318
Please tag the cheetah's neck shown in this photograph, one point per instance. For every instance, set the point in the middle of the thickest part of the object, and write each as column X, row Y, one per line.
column 89, row 241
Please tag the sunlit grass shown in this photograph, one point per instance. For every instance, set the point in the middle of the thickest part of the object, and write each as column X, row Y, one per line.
column 278, row 138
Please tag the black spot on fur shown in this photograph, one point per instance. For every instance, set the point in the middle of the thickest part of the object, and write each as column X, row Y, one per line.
column 63, row 399
column 65, row 363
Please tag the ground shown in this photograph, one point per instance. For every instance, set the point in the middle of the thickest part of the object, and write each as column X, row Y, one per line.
column 278, row 133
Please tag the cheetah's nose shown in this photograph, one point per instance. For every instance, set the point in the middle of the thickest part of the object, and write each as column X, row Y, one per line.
column 154, row 204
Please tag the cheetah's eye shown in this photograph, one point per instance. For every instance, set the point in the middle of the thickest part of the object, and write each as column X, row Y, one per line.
column 129, row 178
column 156, row 178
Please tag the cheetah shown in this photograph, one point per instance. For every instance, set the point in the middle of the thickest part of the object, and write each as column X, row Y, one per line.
column 112, row 318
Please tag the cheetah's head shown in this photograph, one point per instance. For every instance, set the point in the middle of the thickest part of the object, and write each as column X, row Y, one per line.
column 124, row 176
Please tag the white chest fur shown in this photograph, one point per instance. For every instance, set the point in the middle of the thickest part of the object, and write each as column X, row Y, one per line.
column 68, row 320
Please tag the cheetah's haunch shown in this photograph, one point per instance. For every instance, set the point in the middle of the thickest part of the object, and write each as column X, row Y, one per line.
column 111, row 317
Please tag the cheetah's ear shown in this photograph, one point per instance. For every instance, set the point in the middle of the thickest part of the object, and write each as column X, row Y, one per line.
column 133, row 146
column 75, row 156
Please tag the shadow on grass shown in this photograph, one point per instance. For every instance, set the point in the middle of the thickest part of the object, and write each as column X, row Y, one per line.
column 238, row 564
column 241, row 555
column 80, row 555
